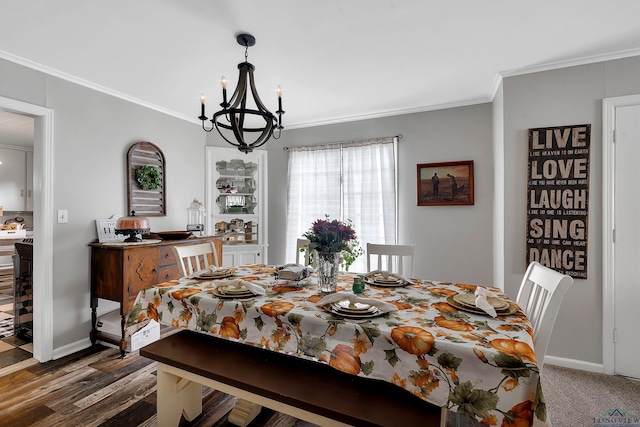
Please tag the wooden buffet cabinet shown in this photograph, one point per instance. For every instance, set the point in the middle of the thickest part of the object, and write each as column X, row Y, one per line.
column 120, row 271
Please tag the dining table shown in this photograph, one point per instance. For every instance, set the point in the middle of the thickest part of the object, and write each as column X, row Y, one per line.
column 421, row 336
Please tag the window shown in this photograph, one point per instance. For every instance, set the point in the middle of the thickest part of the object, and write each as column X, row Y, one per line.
column 355, row 181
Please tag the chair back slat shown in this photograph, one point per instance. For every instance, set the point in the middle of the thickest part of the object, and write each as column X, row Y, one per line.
column 193, row 258
column 391, row 258
column 302, row 244
column 540, row 296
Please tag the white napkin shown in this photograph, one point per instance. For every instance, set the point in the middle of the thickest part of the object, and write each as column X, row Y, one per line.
column 342, row 296
column 293, row 272
column 384, row 274
column 482, row 303
column 212, row 270
column 238, row 284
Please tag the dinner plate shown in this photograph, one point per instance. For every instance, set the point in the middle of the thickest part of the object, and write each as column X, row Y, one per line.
column 221, row 274
column 239, row 293
column 350, row 315
column 504, row 312
column 469, row 300
column 233, row 289
column 386, row 282
column 356, row 307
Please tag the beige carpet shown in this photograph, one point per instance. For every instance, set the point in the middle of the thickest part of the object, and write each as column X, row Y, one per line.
column 579, row 399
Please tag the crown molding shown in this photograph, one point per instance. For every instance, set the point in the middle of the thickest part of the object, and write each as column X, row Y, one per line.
column 383, row 114
column 571, row 63
column 337, row 120
column 82, row 82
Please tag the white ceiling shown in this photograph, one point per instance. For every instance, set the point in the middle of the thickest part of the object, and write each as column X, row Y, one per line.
column 15, row 130
column 336, row 60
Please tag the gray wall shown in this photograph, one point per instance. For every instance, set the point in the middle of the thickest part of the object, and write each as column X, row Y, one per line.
column 560, row 97
column 483, row 243
column 92, row 133
column 453, row 243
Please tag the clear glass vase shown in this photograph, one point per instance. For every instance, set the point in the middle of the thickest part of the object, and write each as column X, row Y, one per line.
column 327, row 267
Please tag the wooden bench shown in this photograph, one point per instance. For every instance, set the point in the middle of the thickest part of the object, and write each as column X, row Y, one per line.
column 308, row 390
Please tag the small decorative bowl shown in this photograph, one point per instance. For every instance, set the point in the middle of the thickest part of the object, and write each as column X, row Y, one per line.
column 174, row 235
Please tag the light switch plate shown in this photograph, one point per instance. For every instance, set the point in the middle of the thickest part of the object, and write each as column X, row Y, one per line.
column 63, row 216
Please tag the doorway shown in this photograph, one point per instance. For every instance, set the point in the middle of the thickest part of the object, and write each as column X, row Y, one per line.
column 42, row 224
column 621, row 283
column 16, row 222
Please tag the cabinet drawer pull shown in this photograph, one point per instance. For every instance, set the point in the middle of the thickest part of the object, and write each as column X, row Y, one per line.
column 154, row 271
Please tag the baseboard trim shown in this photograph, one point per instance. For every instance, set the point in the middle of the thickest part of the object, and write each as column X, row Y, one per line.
column 71, row 348
column 574, row 364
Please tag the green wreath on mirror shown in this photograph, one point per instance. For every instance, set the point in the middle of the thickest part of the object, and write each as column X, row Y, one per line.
column 148, row 177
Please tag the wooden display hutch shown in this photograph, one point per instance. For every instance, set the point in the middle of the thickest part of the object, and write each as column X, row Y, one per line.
column 120, row 271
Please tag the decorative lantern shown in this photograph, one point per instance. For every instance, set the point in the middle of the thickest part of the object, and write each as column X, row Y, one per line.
column 195, row 218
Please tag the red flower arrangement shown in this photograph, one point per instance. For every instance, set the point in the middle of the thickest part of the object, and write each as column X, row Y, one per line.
column 332, row 236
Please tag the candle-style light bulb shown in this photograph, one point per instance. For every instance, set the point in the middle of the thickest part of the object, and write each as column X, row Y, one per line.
column 202, row 106
column 223, row 82
column 279, row 92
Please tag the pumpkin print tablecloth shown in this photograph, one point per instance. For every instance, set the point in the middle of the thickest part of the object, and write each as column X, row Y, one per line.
column 473, row 364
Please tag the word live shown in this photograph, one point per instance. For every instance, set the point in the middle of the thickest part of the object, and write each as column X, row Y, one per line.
column 559, row 138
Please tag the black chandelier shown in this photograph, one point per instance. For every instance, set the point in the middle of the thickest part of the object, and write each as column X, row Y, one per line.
column 230, row 121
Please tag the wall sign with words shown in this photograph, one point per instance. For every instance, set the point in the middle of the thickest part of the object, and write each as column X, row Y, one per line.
column 558, row 198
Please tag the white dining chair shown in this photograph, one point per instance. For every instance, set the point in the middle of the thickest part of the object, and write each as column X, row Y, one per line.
column 302, row 244
column 391, row 258
column 540, row 296
column 192, row 258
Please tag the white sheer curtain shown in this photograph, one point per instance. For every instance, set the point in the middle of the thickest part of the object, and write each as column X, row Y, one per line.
column 355, row 181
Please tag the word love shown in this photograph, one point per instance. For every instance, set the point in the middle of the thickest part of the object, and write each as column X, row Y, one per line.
column 565, row 168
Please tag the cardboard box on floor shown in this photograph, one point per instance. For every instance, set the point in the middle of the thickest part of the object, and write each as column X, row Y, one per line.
column 137, row 337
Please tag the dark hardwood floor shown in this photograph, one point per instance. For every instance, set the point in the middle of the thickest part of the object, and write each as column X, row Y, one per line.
column 95, row 387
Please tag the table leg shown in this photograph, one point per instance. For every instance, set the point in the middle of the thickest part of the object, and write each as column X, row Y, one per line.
column 123, row 339
column 94, row 319
column 176, row 396
column 244, row 412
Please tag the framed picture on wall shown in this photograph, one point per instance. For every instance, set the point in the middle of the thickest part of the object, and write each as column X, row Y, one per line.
column 445, row 183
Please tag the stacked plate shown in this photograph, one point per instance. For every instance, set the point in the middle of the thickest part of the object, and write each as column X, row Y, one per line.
column 467, row 302
column 232, row 292
column 355, row 310
column 380, row 280
column 217, row 274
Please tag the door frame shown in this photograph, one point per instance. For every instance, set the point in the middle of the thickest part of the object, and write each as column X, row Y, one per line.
column 609, row 106
column 43, row 224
